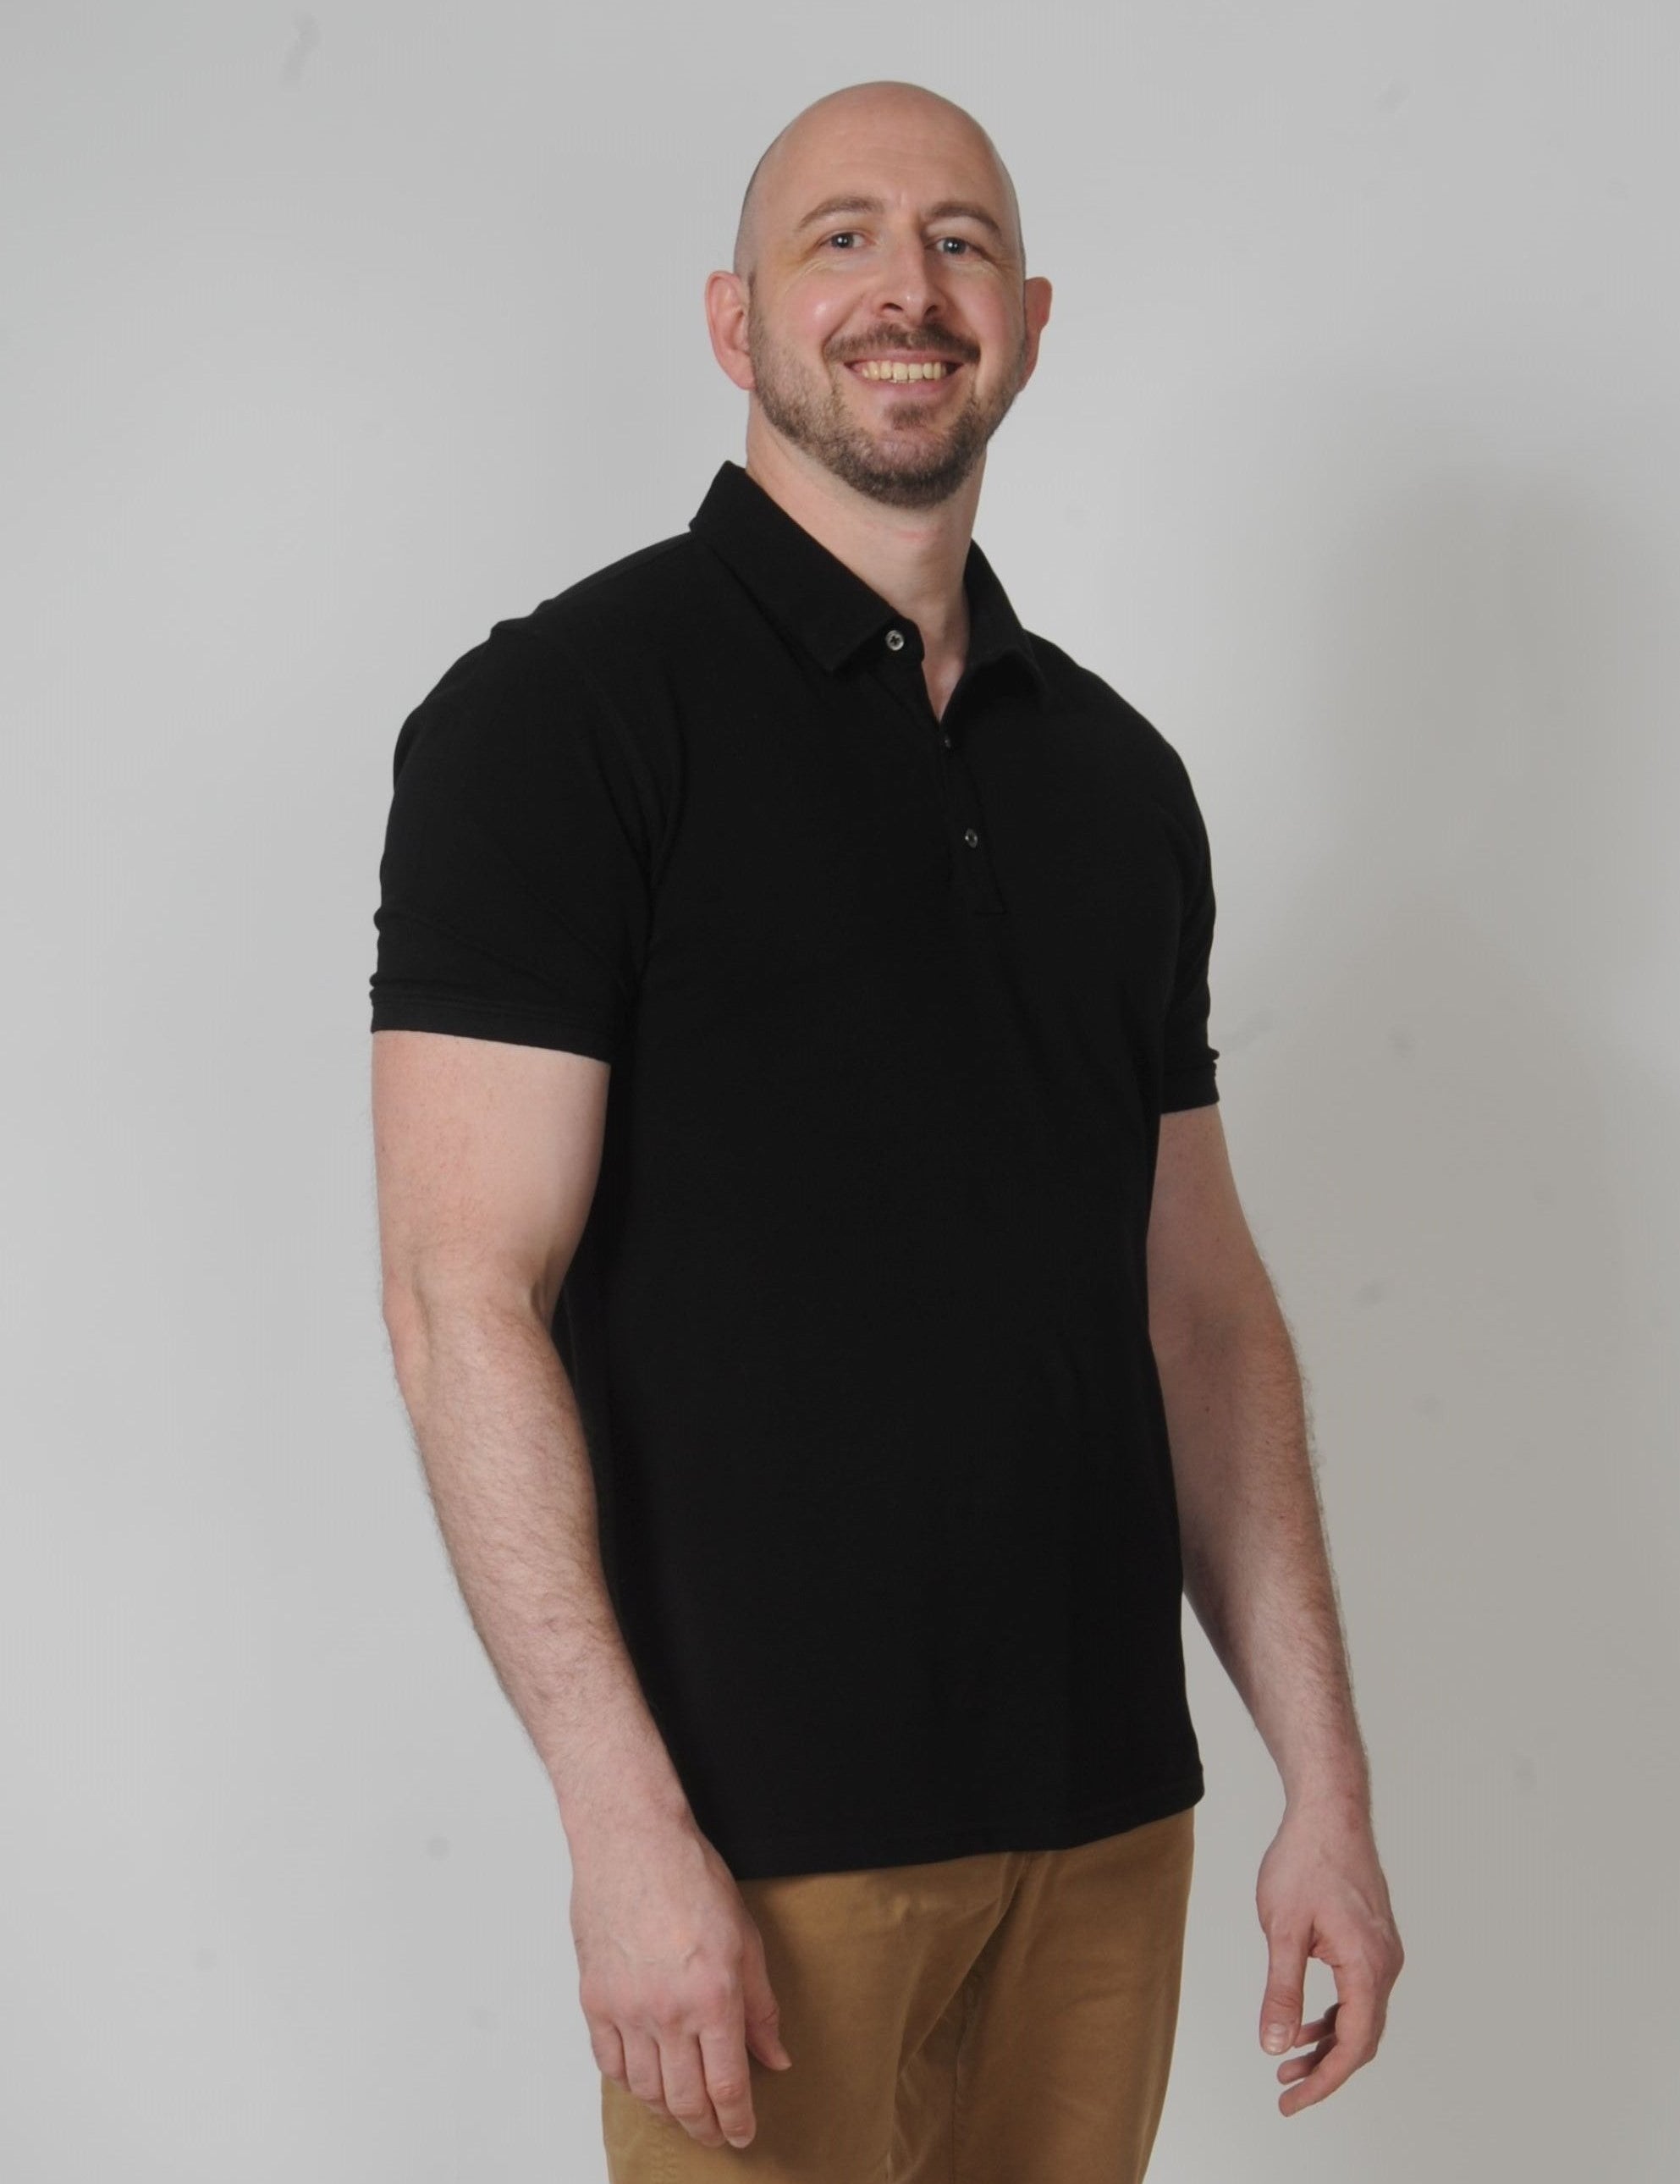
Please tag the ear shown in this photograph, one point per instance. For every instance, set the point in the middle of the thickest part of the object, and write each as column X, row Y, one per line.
column 1035, row 294
column 726, row 323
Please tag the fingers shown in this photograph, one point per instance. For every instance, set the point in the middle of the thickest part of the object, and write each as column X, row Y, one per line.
column 1321, row 2031
column 604, row 2038
column 1300, row 2066
column 642, row 2071
column 701, row 2080
column 1317, row 2029
column 1351, row 2041
column 762, row 2014
column 727, row 2081
column 687, row 2096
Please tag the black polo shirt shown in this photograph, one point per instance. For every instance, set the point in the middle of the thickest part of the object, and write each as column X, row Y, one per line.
column 858, row 1322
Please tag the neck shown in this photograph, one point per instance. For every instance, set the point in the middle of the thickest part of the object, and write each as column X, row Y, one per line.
column 914, row 557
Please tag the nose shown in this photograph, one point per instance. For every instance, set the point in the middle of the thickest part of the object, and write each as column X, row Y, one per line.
column 907, row 280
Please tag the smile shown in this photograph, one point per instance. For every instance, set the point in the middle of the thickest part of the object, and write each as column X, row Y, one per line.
column 898, row 373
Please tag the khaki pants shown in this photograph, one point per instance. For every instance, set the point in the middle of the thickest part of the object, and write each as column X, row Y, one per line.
column 1002, row 2018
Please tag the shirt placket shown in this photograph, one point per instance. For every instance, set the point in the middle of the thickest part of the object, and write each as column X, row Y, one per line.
column 973, row 876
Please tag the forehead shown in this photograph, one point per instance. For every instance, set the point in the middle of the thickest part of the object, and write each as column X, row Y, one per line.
column 911, row 161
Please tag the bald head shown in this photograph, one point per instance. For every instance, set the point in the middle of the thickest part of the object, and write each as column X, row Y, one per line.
column 814, row 143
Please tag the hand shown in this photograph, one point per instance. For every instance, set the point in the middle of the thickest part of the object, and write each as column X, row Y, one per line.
column 673, row 1982
column 1321, row 1894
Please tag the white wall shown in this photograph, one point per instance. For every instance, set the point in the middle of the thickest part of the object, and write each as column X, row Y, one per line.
column 1351, row 459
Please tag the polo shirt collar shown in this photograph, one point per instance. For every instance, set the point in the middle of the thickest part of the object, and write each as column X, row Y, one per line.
column 819, row 599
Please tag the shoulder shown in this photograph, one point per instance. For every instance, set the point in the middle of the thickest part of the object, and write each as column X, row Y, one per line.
column 1085, row 697
column 646, row 602
column 654, row 601
column 592, row 658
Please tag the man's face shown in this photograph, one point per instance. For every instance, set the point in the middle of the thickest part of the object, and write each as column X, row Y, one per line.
column 931, row 270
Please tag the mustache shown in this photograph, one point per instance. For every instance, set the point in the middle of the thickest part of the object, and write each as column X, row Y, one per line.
column 887, row 341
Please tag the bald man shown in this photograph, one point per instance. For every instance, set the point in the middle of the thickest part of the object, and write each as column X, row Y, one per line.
column 815, row 1277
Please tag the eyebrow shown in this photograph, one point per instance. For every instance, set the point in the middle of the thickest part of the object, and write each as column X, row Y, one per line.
column 947, row 209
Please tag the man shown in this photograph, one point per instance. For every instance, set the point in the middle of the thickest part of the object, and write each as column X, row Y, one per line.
column 815, row 1421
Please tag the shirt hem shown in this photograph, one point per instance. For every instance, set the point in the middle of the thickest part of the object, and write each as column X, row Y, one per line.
column 1197, row 1090
column 762, row 1857
column 495, row 1021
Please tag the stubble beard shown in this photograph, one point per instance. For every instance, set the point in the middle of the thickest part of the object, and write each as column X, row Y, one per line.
column 919, row 466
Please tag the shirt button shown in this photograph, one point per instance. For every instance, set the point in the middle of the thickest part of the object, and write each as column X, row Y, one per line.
column 895, row 640
column 946, row 740
column 969, row 836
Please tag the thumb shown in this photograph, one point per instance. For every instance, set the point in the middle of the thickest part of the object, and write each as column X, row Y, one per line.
column 762, row 2013
column 1281, row 2010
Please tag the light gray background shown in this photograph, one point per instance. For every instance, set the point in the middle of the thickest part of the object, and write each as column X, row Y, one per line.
column 330, row 338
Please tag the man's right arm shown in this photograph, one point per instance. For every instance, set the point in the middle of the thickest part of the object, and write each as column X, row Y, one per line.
column 487, row 1154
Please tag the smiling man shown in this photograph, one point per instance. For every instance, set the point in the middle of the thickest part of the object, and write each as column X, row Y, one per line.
column 898, row 409
column 815, row 1274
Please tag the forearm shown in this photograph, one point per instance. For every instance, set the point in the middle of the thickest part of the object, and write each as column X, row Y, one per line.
column 508, row 1468
column 1256, row 1568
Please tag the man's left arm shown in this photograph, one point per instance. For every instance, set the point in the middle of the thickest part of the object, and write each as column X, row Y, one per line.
column 1257, row 1573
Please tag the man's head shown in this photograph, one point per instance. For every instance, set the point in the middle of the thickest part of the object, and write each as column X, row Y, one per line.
column 880, row 225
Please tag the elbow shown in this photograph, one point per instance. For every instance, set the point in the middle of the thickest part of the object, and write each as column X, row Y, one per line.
column 403, row 1312
column 436, row 1313
column 1223, row 1323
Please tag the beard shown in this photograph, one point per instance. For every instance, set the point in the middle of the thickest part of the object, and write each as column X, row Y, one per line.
column 908, row 460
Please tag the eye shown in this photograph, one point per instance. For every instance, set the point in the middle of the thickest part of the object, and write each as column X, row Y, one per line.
column 851, row 234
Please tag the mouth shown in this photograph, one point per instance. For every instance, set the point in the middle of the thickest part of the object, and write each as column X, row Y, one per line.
column 905, row 374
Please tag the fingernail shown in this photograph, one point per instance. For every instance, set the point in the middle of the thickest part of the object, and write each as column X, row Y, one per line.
column 1276, row 2037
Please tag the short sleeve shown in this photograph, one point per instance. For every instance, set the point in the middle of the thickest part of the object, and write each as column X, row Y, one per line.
column 515, row 895
column 1188, row 1072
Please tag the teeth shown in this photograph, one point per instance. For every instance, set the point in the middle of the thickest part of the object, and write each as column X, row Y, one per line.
column 897, row 370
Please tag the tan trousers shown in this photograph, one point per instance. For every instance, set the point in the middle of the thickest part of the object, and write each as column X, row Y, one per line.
column 1002, row 2018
